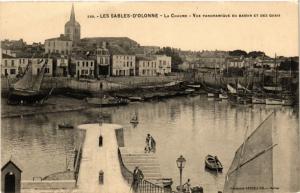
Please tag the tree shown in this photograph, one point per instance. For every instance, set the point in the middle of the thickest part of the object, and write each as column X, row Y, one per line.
column 238, row 53
column 289, row 65
column 255, row 54
column 176, row 59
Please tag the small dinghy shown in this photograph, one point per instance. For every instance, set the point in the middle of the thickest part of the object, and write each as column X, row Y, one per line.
column 213, row 163
column 134, row 120
column 65, row 126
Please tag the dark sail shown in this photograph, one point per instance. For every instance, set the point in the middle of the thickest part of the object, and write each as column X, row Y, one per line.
column 252, row 167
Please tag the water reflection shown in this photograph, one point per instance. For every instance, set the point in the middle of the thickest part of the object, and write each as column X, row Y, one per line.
column 193, row 127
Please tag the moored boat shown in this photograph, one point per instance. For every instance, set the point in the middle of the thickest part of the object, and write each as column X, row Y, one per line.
column 65, row 126
column 106, row 102
column 258, row 100
column 223, row 96
column 194, row 86
column 274, row 101
column 213, row 163
column 135, row 98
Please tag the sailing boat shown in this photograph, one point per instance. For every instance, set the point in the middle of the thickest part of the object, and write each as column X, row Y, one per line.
column 252, row 167
column 274, row 97
column 27, row 89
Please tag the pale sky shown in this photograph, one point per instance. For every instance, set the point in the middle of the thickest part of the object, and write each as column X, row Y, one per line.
column 35, row 22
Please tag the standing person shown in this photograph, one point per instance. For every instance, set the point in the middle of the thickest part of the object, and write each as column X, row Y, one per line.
column 148, row 143
column 152, row 144
column 137, row 177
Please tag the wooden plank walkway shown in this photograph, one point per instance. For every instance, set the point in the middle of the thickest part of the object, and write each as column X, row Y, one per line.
column 95, row 158
column 147, row 162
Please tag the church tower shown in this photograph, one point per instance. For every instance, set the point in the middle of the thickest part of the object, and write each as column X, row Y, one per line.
column 72, row 28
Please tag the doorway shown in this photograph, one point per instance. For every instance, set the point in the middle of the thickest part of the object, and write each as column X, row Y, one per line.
column 10, row 183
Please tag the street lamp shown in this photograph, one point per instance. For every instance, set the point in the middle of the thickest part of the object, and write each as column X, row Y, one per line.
column 180, row 164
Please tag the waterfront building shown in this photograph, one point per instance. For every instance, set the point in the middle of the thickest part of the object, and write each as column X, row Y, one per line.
column 163, row 64
column 61, row 45
column 14, row 66
column 146, row 66
column 61, row 66
column 72, row 28
column 123, row 65
column 103, row 61
column 84, row 66
column 236, row 62
column 9, row 66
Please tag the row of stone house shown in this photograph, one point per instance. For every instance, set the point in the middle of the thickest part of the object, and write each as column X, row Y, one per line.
column 89, row 66
column 224, row 62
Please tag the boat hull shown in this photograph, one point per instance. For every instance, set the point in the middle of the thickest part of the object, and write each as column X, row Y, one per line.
column 270, row 101
column 106, row 103
column 26, row 97
column 212, row 164
column 256, row 100
column 223, row 96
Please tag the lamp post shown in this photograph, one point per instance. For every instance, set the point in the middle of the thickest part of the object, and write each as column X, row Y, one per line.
column 180, row 164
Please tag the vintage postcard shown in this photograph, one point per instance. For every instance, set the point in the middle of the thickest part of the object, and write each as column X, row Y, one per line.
column 150, row 97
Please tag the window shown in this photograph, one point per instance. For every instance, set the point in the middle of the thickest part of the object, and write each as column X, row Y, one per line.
column 92, row 64
column 12, row 63
column 47, row 70
column 78, row 64
column 5, row 62
column 86, row 64
column 12, row 71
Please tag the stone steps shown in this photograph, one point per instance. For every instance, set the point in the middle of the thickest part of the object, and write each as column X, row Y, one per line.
column 147, row 162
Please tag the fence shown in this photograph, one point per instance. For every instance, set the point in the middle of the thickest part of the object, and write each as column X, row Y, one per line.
column 144, row 186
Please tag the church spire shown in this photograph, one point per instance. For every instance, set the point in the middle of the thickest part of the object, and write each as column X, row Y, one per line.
column 72, row 16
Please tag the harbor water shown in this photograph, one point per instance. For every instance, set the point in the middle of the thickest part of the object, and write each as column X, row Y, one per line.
column 190, row 126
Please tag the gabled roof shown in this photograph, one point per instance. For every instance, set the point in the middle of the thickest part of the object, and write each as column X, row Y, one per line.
column 10, row 162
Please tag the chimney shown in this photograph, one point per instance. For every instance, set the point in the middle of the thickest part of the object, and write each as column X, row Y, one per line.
column 104, row 44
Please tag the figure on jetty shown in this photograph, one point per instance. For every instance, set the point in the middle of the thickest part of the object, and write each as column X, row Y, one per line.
column 187, row 186
column 138, row 176
column 150, row 144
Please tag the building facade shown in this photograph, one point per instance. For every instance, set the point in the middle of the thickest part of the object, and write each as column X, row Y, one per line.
column 12, row 67
column 103, row 62
column 72, row 28
column 61, row 45
column 146, row 66
column 163, row 64
column 123, row 65
column 84, row 67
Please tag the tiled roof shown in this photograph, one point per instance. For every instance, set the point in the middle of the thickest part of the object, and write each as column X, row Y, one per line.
column 6, row 56
column 146, row 58
column 61, row 38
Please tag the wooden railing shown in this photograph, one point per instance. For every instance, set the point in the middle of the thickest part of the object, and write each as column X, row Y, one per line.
column 144, row 186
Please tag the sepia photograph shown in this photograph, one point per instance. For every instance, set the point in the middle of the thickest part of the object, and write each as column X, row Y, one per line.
column 150, row 97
